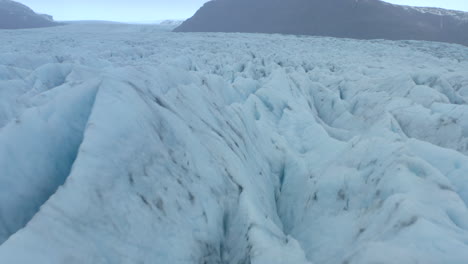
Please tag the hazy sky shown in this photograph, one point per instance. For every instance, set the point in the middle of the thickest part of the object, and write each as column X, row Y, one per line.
column 148, row 10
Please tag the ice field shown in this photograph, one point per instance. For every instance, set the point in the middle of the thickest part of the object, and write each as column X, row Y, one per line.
column 133, row 144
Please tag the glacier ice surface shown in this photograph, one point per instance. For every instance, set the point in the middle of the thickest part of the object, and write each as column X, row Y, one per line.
column 128, row 144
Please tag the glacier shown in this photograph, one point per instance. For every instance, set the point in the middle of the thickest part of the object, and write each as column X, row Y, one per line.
column 132, row 144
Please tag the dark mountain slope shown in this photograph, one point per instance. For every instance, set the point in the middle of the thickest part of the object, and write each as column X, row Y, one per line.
column 361, row 19
column 14, row 15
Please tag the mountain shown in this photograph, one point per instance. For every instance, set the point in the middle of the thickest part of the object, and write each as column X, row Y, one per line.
column 120, row 144
column 359, row 19
column 14, row 15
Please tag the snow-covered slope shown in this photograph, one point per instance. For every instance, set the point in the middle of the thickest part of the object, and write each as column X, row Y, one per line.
column 442, row 12
column 124, row 144
column 459, row 15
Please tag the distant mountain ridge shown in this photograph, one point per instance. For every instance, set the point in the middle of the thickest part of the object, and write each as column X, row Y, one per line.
column 171, row 22
column 14, row 15
column 359, row 19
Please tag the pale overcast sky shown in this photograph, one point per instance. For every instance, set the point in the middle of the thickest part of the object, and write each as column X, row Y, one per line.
column 150, row 10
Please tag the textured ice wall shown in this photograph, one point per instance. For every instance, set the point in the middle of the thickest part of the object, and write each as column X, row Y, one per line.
column 231, row 148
